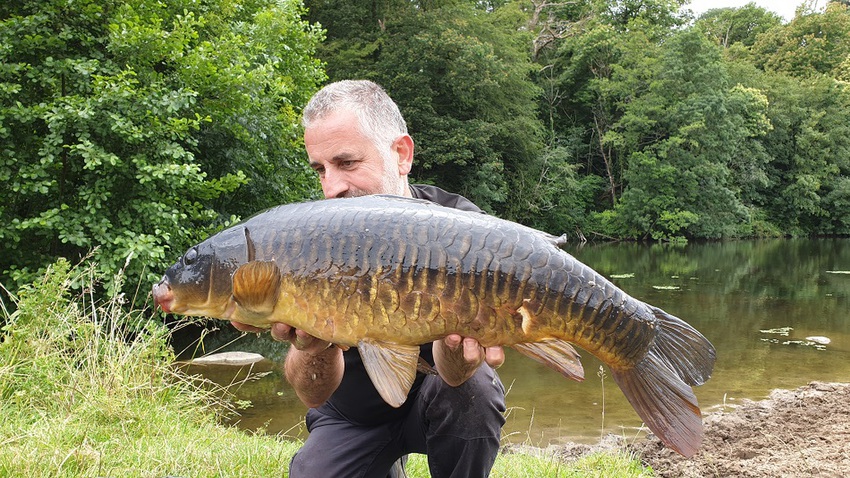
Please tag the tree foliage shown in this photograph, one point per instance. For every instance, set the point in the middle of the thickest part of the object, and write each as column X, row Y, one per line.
column 743, row 25
column 132, row 128
column 687, row 133
column 614, row 117
column 811, row 44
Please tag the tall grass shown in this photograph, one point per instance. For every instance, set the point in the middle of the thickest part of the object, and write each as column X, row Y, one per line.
column 88, row 389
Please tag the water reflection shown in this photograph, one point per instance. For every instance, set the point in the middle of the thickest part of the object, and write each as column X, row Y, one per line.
column 736, row 293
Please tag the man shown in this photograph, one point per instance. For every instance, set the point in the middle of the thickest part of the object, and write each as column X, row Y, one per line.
column 357, row 142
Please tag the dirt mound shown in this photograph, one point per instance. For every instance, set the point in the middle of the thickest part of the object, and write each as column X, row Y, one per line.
column 802, row 432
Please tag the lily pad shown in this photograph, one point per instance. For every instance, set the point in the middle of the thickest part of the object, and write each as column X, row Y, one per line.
column 819, row 339
column 783, row 331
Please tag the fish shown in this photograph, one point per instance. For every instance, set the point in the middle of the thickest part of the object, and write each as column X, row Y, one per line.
column 386, row 274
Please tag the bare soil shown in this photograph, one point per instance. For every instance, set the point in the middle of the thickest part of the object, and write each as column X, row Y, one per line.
column 793, row 433
column 802, row 432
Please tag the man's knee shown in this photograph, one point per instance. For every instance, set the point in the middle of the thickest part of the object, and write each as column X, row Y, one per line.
column 474, row 409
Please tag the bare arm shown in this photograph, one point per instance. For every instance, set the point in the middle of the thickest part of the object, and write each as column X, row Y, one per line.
column 457, row 358
column 314, row 377
column 313, row 367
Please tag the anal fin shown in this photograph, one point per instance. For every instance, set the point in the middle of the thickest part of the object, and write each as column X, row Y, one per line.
column 556, row 354
column 392, row 368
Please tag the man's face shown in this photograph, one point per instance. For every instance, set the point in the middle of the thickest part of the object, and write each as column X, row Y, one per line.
column 348, row 163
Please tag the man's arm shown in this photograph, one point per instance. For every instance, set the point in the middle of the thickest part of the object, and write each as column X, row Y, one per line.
column 313, row 367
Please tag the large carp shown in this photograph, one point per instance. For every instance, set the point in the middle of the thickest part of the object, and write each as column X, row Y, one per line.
column 385, row 274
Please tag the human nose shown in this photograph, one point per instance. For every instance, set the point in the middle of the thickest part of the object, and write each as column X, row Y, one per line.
column 333, row 185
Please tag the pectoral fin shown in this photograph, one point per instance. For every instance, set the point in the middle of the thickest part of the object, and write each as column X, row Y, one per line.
column 556, row 354
column 392, row 368
column 256, row 286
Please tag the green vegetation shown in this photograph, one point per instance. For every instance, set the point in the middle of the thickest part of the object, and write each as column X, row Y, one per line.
column 545, row 465
column 88, row 390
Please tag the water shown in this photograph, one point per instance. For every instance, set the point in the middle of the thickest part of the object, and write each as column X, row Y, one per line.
column 743, row 295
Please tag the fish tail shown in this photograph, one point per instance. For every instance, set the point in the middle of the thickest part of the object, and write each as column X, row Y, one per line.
column 659, row 386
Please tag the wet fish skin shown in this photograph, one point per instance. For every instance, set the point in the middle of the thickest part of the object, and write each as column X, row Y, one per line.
column 386, row 274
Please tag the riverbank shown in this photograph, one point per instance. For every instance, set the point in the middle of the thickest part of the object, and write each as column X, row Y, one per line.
column 800, row 432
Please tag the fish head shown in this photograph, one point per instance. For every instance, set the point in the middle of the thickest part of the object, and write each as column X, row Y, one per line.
column 201, row 282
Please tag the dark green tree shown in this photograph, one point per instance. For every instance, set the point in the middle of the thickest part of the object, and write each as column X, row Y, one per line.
column 810, row 146
column 600, row 61
column 691, row 140
column 655, row 18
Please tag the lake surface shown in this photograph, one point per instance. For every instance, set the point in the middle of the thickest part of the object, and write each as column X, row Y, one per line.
column 757, row 301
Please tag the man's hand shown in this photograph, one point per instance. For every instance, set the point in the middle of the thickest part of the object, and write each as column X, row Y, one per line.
column 284, row 333
column 457, row 358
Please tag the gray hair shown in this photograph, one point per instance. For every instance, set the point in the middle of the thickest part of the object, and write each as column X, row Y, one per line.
column 378, row 115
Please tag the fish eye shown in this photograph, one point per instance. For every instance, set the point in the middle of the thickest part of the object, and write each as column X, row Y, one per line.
column 190, row 256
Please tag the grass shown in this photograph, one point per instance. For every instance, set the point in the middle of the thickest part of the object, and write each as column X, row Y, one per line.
column 546, row 465
column 89, row 390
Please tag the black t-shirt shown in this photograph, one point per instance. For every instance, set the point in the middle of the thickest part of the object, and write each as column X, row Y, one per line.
column 356, row 399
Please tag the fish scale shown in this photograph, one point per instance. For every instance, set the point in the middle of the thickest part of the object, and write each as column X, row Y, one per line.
column 386, row 274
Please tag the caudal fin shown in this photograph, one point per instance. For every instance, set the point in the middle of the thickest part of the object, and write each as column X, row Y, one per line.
column 659, row 386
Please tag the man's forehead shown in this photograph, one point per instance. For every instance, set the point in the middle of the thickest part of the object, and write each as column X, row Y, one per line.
column 340, row 117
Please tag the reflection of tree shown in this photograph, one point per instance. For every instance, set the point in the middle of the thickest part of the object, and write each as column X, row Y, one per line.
column 740, row 287
column 732, row 290
column 793, row 269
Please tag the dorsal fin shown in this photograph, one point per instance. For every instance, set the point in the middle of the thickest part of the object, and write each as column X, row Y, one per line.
column 249, row 244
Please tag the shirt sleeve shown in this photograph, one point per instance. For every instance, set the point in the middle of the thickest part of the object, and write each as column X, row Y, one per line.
column 443, row 197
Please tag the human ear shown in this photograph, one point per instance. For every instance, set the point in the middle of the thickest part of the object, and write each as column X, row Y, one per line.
column 403, row 147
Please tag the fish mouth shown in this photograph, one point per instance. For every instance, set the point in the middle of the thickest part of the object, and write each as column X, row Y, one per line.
column 163, row 296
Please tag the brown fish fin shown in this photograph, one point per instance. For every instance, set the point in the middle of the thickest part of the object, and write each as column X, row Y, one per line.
column 686, row 350
column 392, row 368
column 556, row 354
column 666, row 404
column 557, row 241
column 255, row 290
column 658, row 387
column 424, row 367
